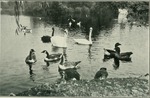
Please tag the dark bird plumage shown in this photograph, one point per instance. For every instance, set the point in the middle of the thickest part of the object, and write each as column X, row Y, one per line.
column 51, row 57
column 70, row 73
column 47, row 38
column 102, row 73
column 124, row 56
column 31, row 59
column 67, row 70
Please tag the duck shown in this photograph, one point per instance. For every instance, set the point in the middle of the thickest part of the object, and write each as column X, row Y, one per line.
column 85, row 41
column 101, row 74
column 68, row 72
column 46, row 38
column 51, row 57
column 59, row 41
column 31, row 59
column 124, row 56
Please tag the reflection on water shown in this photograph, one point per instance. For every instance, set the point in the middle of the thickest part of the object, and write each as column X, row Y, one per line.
column 116, row 63
column 15, row 75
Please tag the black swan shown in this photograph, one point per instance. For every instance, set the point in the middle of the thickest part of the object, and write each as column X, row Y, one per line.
column 46, row 38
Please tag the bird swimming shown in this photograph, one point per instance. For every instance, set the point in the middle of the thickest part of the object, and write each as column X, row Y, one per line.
column 85, row 41
column 47, row 38
column 31, row 59
column 51, row 57
column 60, row 41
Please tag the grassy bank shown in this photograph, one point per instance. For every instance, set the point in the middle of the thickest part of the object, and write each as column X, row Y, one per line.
column 110, row 87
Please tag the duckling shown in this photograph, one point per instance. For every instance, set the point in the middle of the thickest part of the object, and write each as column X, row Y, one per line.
column 31, row 59
column 51, row 57
column 102, row 73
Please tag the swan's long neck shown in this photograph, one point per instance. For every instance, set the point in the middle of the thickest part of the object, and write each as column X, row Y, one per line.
column 90, row 35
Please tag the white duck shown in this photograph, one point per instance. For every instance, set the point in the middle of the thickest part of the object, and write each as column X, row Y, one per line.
column 59, row 41
column 85, row 41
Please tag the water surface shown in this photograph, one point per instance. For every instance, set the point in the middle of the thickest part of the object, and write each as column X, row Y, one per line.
column 14, row 73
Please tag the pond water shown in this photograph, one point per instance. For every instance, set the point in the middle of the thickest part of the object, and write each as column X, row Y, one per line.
column 14, row 73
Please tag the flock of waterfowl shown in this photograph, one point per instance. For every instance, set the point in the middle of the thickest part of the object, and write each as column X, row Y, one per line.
column 66, row 69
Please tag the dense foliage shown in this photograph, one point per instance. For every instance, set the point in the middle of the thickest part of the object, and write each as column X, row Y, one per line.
column 96, row 14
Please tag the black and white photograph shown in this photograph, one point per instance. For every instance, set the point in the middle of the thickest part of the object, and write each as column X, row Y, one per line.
column 63, row 48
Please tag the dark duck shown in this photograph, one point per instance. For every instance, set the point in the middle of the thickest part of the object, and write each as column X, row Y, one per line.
column 101, row 74
column 125, row 56
column 47, row 38
column 51, row 57
column 68, row 72
column 31, row 59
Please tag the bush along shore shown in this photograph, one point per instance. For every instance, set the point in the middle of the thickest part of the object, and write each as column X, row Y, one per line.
column 109, row 87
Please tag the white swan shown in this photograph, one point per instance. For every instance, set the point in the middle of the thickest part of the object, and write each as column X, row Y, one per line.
column 59, row 41
column 85, row 41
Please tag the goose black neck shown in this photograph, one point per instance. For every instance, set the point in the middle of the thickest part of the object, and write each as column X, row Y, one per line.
column 30, row 57
column 47, row 53
column 53, row 32
column 62, row 60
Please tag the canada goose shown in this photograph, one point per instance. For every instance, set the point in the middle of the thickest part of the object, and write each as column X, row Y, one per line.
column 47, row 38
column 51, row 57
column 59, row 41
column 85, row 41
column 102, row 73
column 31, row 59
column 125, row 56
column 68, row 72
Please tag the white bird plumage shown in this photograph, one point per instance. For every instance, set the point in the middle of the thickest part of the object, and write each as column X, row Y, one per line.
column 85, row 41
column 59, row 41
